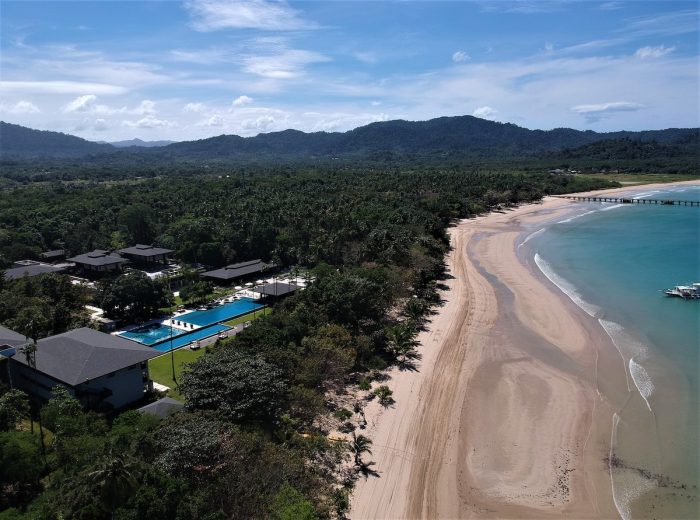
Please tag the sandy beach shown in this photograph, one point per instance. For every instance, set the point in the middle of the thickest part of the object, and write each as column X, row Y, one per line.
column 509, row 414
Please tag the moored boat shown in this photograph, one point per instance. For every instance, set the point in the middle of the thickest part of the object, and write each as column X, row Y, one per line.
column 687, row 292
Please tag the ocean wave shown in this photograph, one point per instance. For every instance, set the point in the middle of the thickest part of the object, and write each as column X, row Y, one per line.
column 627, row 486
column 628, row 345
column 642, row 381
column 645, row 194
column 532, row 235
column 566, row 287
column 576, row 216
column 615, row 206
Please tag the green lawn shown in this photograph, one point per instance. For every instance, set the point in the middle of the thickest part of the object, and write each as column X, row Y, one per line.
column 161, row 369
column 248, row 317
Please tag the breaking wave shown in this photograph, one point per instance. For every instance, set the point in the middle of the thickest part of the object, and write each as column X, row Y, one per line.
column 566, row 287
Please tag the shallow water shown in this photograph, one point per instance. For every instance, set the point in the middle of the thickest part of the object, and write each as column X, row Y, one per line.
column 614, row 261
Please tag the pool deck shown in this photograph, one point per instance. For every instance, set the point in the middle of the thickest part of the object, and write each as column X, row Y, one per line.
column 204, row 333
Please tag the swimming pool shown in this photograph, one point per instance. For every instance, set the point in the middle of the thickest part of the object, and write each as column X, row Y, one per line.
column 220, row 313
column 186, row 339
column 151, row 334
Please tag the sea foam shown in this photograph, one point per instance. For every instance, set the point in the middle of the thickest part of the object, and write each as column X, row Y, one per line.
column 642, row 381
column 565, row 286
column 576, row 216
column 626, row 485
column 531, row 236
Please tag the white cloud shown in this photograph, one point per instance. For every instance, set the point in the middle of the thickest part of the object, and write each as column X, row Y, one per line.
column 100, row 125
column 460, row 56
column 595, row 112
column 215, row 120
column 287, row 64
column 653, row 52
column 366, row 57
column 60, row 87
column 213, row 15
column 81, row 104
column 88, row 104
column 194, row 107
column 146, row 107
column 260, row 124
column 610, row 6
column 148, row 121
column 21, row 107
column 484, row 112
column 616, row 106
column 242, row 100
column 549, row 48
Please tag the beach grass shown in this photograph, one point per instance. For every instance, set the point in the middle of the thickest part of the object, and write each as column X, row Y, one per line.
column 161, row 370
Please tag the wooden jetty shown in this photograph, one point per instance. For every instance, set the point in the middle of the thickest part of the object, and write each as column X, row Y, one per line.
column 620, row 200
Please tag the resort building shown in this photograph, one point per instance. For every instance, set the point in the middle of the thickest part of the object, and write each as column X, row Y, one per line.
column 30, row 268
column 10, row 338
column 98, row 261
column 275, row 289
column 145, row 254
column 102, row 371
column 57, row 255
column 237, row 271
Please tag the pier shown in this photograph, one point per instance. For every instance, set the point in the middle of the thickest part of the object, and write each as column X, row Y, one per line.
column 620, row 200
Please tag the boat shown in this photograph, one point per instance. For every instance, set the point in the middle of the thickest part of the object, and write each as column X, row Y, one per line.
column 687, row 292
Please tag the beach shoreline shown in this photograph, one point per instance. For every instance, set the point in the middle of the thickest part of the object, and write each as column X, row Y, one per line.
column 510, row 413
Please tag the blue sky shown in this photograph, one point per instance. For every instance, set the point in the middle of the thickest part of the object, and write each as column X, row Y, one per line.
column 198, row 68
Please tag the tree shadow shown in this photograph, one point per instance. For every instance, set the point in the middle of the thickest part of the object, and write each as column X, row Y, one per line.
column 366, row 471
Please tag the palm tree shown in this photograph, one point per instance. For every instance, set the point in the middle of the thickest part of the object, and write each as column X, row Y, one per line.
column 402, row 344
column 359, row 445
column 114, row 479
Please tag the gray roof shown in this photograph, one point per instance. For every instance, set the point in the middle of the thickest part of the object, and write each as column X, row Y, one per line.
column 145, row 251
column 98, row 257
column 11, row 338
column 30, row 270
column 162, row 407
column 82, row 354
column 276, row 289
column 233, row 271
column 53, row 254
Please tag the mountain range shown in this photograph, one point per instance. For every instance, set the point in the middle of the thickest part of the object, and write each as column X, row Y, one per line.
column 458, row 137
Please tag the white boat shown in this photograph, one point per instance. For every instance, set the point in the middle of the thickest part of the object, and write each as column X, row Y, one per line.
column 687, row 292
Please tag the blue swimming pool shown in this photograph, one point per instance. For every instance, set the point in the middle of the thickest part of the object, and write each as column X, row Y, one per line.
column 151, row 334
column 188, row 338
column 220, row 313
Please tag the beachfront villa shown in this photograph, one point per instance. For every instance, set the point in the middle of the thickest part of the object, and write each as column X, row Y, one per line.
column 146, row 254
column 98, row 261
column 30, row 268
column 241, row 270
column 103, row 371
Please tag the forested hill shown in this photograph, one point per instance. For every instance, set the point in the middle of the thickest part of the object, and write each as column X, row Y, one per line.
column 25, row 143
column 457, row 137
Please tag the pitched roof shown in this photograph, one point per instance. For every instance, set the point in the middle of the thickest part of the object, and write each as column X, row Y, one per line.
column 145, row 250
column 98, row 257
column 276, row 289
column 30, row 270
column 162, row 407
column 11, row 338
column 236, row 270
column 53, row 254
column 82, row 354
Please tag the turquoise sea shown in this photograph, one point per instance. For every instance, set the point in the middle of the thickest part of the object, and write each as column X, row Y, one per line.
column 614, row 261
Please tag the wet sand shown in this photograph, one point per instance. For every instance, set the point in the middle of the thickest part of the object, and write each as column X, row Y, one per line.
column 510, row 412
